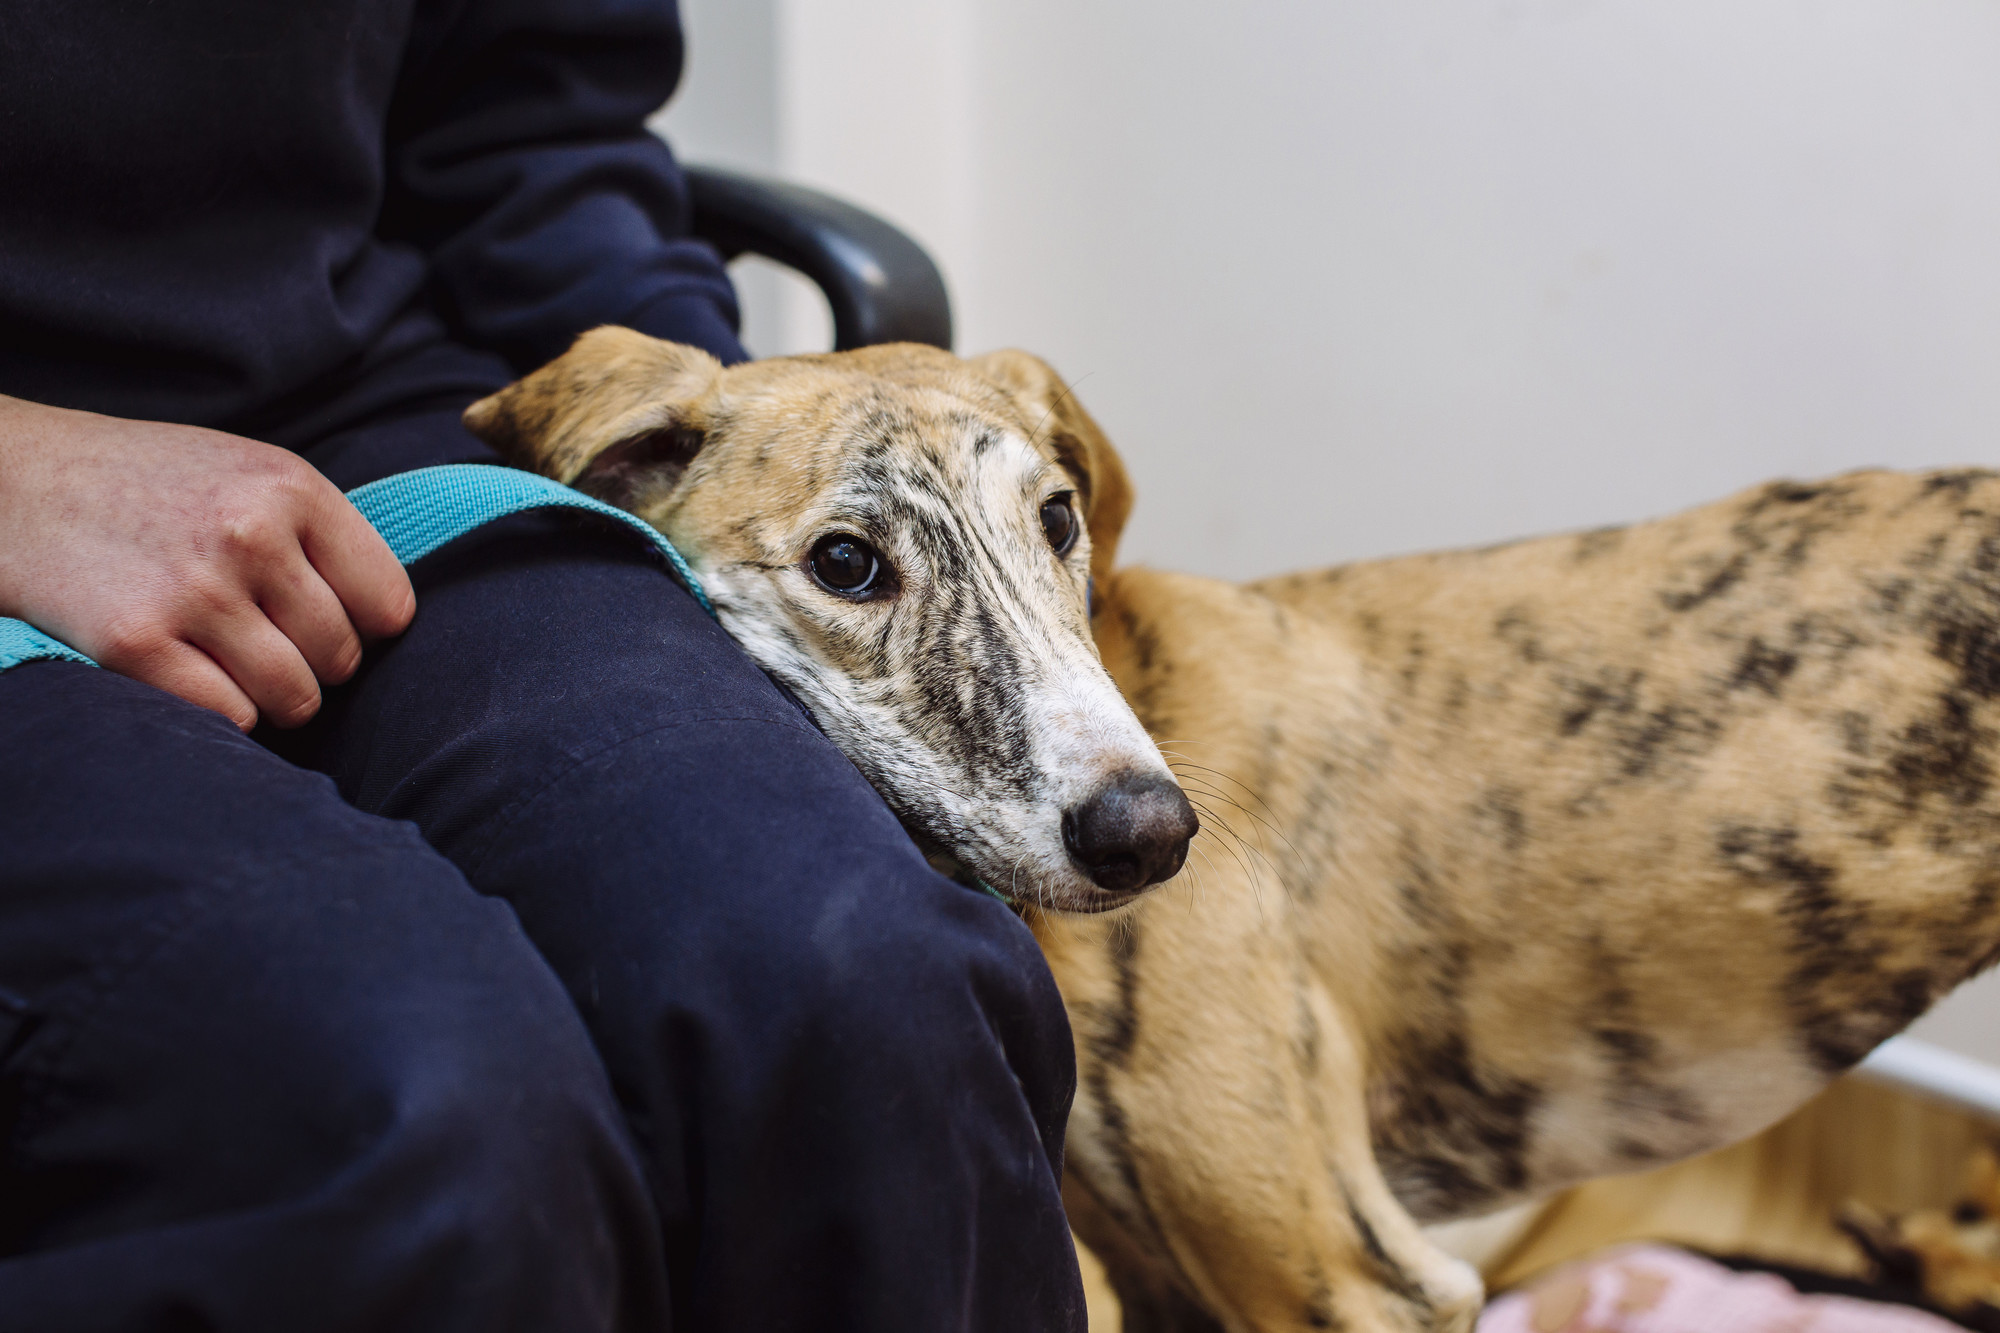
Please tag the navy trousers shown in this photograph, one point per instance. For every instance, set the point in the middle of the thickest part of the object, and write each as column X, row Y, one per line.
column 560, row 975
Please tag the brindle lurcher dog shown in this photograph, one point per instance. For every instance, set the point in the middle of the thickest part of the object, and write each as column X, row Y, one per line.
column 1519, row 865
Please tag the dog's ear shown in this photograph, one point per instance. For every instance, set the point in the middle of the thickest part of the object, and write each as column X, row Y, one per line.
column 619, row 415
column 1056, row 417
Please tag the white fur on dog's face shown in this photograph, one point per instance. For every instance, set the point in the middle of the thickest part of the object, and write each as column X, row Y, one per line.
column 969, row 693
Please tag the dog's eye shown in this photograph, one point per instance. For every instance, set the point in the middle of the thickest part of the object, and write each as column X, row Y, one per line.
column 1059, row 523
column 843, row 564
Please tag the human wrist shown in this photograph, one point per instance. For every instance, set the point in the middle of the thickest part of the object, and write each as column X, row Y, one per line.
column 27, row 431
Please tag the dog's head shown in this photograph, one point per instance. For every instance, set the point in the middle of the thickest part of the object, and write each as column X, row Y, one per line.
column 906, row 540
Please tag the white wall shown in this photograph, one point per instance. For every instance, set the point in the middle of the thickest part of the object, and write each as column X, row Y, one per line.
column 1968, row 1021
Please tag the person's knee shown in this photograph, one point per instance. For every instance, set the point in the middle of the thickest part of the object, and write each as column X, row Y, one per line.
column 910, row 993
column 892, row 942
column 895, row 1060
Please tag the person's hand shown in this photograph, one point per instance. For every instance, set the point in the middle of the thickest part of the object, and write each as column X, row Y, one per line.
column 219, row 569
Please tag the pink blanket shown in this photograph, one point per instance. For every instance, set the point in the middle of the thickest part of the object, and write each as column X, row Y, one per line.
column 1654, row 1289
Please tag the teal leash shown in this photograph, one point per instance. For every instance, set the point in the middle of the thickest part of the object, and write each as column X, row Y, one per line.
column 416, row 513
column 21, row 642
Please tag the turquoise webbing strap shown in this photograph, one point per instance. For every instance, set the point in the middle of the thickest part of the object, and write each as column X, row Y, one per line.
column 21, row 642
column 417, row 512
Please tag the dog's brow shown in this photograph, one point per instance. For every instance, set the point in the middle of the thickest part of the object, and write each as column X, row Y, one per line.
column 991, row 438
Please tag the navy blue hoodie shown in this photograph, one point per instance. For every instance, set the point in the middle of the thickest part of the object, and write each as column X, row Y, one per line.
column 284, row 217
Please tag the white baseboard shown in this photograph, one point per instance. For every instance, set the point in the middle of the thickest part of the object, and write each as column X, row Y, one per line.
column 1932, row 1071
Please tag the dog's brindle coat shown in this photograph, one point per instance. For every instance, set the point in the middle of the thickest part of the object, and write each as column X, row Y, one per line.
column 1553, row 859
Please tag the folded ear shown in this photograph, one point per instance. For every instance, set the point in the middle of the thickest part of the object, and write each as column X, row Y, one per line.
column 619, row 415
column 1080, row 446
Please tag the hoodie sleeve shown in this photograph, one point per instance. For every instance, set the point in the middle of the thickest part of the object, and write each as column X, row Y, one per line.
column 519, row 161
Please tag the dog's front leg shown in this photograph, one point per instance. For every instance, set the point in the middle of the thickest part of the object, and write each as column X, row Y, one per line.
column 1219, row 1157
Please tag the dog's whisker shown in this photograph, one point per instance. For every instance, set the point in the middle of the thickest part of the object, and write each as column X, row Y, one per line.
column 1217, row 827
column 1187, row 772
column 1233, row 781
column 1181, row 772
column 1226, row 827
column 1196, row 891
column 1125, row 925
column 1068, row 390
column 1208, row 789
column 1014, row 881
column 1194, row 882
column 1247, row 855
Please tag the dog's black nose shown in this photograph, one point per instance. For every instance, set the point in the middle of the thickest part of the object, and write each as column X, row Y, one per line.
column 1131, row 832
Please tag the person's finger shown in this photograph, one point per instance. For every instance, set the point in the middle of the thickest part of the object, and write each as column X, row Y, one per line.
column 263, row 663
column 298, row 601
column 358, row 565
column 186, row 671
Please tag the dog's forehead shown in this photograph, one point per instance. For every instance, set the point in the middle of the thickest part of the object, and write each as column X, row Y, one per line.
column 868, row 430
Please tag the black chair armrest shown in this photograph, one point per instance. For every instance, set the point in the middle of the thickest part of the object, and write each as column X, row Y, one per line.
column 882, row 286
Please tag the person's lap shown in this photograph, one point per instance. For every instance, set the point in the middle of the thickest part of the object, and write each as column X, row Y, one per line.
column 248, row 1054
column 845, row 1075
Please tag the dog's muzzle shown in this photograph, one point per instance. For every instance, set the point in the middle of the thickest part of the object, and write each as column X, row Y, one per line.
column 1131, row 832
